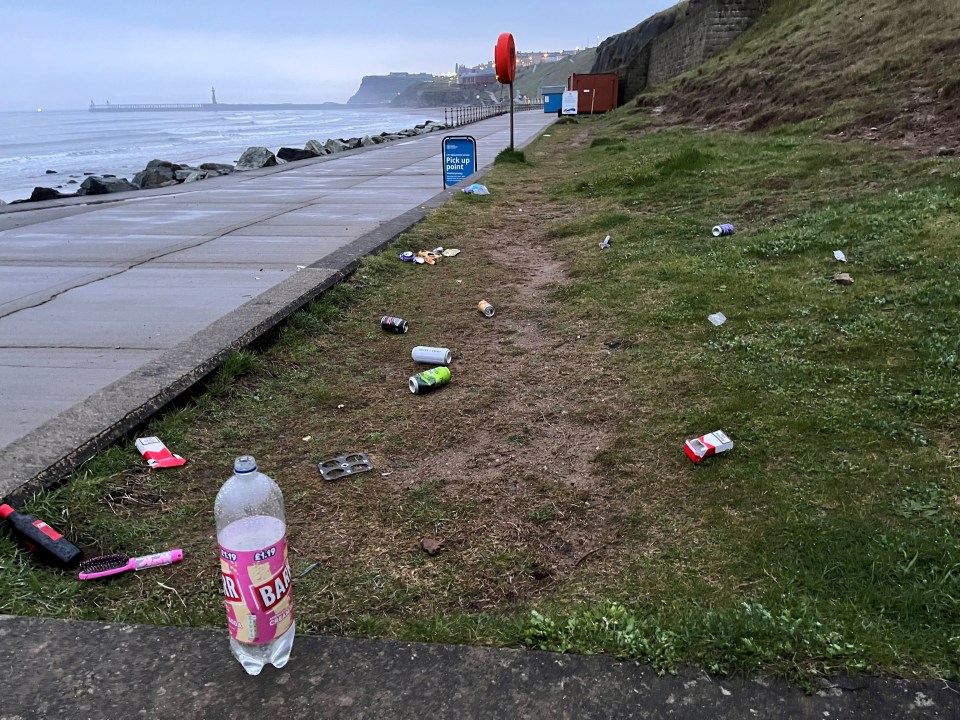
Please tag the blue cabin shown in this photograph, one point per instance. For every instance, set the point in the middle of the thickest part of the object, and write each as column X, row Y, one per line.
column 552, row 98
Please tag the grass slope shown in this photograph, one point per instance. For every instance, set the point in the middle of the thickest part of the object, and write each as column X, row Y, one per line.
column 878, row 69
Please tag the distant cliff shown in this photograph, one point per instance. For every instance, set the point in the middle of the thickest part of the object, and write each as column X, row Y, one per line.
column 381, row 89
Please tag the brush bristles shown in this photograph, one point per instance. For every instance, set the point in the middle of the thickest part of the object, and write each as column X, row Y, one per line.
column 103, row 563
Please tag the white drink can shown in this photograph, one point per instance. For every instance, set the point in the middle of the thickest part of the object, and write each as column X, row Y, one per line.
column 431, row 355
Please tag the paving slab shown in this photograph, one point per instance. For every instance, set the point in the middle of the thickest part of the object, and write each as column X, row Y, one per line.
column 144, row 307
column 257, row 251
column 69, row 669
column 73, row 250
column 68, row 375
column 22, row 281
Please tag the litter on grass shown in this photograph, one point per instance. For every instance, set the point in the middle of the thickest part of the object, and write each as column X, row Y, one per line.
column 157, row 454
column 843, row 279
column 606, row 243
column 343, row 465
column 486, row 308
column 309, row 570
column 723, row 229
column 717, row 319
column 429, row 257
column 838, row 254
column 707, row 445
column 429, row 380
column 476, row 189
column 394, row 324
column 432, row 355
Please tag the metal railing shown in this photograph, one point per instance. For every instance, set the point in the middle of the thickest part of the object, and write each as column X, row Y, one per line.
column 466, row 114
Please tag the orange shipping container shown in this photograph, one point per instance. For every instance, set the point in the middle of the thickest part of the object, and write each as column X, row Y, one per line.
column 596, row 92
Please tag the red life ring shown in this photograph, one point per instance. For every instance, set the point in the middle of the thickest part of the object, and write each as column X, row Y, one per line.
column 505, row 59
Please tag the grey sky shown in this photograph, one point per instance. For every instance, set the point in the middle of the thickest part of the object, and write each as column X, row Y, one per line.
column 62, row 55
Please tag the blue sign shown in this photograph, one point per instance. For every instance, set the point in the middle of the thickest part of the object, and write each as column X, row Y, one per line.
column 459, row 158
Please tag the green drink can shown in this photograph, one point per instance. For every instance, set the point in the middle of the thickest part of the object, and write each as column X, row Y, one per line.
column 429, row 380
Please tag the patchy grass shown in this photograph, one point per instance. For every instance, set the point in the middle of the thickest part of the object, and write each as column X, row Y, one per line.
column 551, row 467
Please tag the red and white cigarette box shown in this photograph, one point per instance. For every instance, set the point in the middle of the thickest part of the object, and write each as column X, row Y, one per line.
column 157, row 454
column 707, row 445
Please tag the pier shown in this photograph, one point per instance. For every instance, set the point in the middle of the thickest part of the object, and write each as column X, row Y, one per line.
column 149, row 107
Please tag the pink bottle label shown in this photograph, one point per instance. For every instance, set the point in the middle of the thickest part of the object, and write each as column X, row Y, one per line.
column 258, row 591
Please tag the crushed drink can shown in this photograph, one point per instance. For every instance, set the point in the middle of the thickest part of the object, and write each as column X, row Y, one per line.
column 394, row 324
column 486, row 308
column 431, row 355
column 722, row 229
column 707, row 445
column 429, row 380
column 407, row 256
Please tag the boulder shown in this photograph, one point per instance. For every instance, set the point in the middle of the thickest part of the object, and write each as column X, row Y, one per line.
column 45, row 193
column 316, row 147
column 154, row 176
column 334, row 146
column 256, row 157
column 219, row 168
column 51, row 172
column 102, row 185
column 194, row 175
column 366, row 141
column 293, row 154
column 187, row 172
column 163, row 164
column 352, row 143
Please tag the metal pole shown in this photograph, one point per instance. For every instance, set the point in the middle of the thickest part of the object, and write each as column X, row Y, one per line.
column 511, row 116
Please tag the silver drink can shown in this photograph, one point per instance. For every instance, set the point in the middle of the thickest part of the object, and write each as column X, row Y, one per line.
column 431, row 355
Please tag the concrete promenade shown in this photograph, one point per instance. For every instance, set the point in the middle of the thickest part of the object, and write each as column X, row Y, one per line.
column 111, row 306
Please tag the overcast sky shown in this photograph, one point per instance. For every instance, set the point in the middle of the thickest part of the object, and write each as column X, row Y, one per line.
column 61, row 54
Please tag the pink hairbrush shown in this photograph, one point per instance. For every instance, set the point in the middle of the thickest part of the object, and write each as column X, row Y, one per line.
column 106, row 565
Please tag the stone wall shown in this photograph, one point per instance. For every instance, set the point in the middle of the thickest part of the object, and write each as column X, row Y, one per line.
column 674, row 41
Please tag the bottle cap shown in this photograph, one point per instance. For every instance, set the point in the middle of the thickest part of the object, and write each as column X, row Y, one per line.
column 6, row 511
column 244, row 464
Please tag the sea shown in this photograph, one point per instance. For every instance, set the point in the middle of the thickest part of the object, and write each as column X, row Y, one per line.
column 73, row 142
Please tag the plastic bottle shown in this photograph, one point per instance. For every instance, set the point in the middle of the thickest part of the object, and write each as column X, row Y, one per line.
column 34, row 534
column 257, row 584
